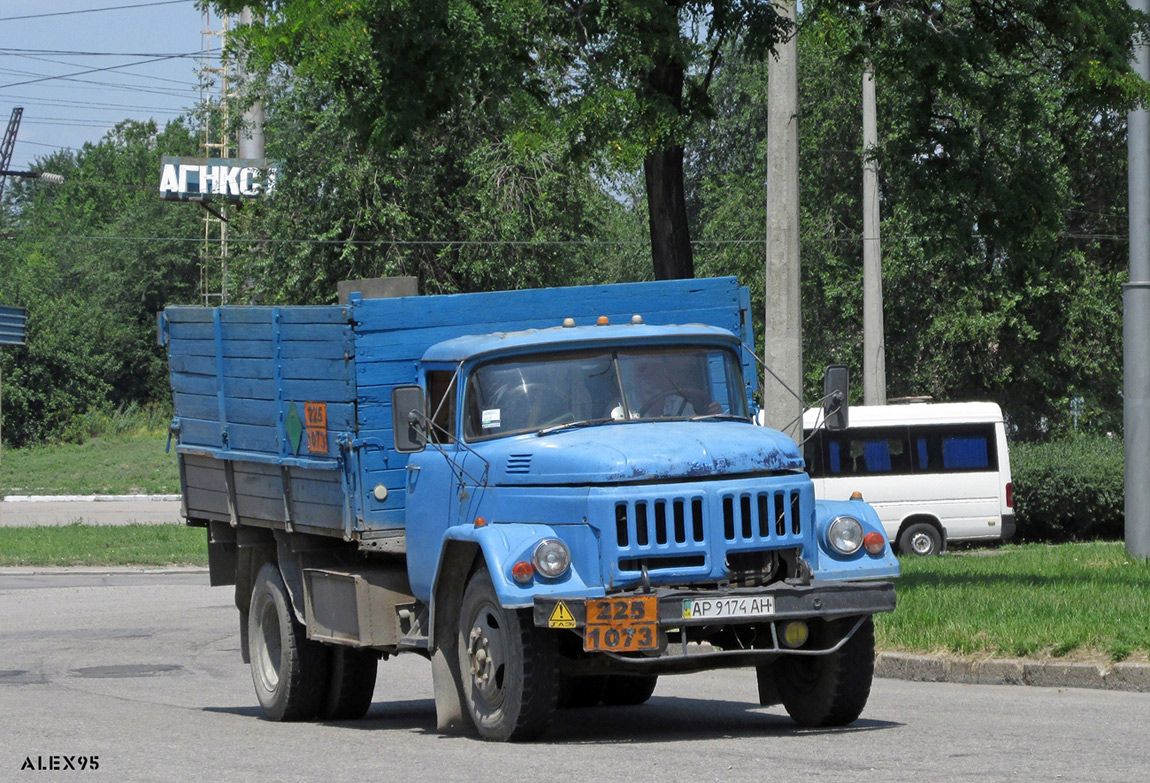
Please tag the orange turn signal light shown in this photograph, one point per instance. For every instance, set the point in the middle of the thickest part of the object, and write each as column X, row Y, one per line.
column 522, row 572
column 874, row 543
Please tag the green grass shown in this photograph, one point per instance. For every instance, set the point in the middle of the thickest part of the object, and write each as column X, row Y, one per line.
column 1036, row 600
column 89, row 545
column 114, row 464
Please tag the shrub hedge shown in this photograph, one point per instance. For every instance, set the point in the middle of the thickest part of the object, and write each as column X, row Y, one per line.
column 1069, row 489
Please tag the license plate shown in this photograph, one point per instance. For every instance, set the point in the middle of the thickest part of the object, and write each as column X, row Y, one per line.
column 622, row 624
column 723, row 608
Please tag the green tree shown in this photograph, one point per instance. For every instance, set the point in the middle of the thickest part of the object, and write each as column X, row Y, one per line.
column 93, row 261
column 617, row 83
column 1000, row 274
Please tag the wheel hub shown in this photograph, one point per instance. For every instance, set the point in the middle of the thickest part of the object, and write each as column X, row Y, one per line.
column 479, row 653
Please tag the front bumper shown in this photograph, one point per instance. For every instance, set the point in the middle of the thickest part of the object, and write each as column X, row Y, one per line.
column 827, row 601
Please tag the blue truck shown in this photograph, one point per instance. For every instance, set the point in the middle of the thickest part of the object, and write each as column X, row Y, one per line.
column 555, row 496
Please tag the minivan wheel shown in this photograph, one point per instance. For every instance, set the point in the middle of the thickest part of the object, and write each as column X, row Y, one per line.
column 921, row 538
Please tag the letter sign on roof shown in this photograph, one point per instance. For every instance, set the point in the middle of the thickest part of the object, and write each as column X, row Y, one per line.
column 227, row 179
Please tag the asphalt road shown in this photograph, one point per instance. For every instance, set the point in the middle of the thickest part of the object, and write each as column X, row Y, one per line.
column 143, row 672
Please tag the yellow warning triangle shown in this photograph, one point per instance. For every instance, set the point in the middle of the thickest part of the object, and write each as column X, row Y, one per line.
column 561, row 617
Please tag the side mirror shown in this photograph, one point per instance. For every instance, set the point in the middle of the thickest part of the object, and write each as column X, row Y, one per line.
column 408, row 417
column 836, row 396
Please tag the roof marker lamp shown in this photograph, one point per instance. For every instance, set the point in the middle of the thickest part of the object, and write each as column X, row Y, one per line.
column 845, row 535
column 551, row 558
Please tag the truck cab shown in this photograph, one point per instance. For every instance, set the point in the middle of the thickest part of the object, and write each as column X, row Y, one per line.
column 609, row 482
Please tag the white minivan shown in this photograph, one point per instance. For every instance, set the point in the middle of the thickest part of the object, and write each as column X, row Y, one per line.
column 934, row 472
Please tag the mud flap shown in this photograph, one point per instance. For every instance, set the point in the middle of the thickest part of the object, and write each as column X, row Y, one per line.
column 448, row 686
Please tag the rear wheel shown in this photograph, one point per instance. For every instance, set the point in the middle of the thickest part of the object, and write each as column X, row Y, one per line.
column 351, row 684
column 624, row 691
column 829, row 690
column 510, row 684
column 288, row 669
column 921, row 538
column 581, row 691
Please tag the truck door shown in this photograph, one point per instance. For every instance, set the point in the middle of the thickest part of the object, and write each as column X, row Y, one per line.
column 437, row 484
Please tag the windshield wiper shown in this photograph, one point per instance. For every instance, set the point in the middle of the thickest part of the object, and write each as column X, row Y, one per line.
column 573, row 424
column 718, row 417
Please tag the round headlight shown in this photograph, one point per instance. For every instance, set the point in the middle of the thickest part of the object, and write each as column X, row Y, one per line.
column 845, row 535
column 551, row 557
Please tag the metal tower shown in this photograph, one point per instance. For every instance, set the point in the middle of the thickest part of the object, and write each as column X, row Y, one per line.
column 216, row 142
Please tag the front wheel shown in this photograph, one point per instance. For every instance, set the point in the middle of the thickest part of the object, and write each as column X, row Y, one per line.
column 510, row 684
column 288, row 669
column 829, row 690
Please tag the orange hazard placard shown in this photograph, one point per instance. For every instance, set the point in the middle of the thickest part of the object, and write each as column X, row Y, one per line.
column 317, row 441
column 315, row 415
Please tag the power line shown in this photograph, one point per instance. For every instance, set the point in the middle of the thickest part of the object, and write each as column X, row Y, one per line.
column 73, row 53
column 91, row 10
column 133, row 75
column 90, row 70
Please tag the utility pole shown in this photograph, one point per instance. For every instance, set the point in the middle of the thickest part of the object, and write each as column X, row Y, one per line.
column 783, row 342
column 251, row 141
column 874, row 338
column 1136, row 318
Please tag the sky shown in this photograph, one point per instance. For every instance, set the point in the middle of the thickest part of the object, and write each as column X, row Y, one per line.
column 42, row 55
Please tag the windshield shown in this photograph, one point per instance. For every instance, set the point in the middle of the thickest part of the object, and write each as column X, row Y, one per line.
column 526, row 394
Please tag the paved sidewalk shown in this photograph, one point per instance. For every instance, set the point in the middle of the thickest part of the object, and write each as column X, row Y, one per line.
column 31, row 511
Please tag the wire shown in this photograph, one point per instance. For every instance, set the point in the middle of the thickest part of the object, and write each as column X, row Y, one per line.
column 133, row 75
column 89, row 70
column 73, row 53
column 62, row 102
column 91, row 10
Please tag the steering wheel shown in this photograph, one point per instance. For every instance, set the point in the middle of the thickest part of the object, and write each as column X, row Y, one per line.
column 696, row 398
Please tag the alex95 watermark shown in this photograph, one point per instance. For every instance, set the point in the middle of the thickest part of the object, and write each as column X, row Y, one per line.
column 60, row 763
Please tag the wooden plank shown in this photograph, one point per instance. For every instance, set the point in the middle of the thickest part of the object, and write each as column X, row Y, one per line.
column 200, row 433
column 542, row 307
column 298, row 332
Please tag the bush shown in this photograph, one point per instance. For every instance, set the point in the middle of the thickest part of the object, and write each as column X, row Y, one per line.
column 1070, row 489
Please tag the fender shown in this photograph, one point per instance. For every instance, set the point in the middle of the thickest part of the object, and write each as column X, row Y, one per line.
column 833, row 565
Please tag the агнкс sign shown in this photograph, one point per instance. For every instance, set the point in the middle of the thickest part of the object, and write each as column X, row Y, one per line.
column 200, row 179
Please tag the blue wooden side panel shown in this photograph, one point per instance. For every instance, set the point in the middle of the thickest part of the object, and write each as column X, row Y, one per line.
column 392, row 334
column 238, row 373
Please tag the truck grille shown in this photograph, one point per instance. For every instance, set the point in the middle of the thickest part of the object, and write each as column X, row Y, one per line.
column 761, row 516
column 705, row 530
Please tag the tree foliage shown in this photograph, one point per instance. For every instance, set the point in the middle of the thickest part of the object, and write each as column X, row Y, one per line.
column 91, row 296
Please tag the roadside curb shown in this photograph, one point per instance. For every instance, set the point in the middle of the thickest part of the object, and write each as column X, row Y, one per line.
column 1133, row 677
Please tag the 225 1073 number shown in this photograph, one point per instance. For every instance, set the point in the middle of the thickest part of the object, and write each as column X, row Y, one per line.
column 622, row 625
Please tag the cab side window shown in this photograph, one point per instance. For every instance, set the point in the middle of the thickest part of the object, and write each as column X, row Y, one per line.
column 441, row 399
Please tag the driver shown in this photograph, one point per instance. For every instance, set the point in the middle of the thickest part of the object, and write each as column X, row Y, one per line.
column 656, row 393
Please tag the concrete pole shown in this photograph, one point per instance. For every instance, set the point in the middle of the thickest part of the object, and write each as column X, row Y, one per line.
column 874, row 336
column 783, row 342
column 251, row 141
column 1136, row 319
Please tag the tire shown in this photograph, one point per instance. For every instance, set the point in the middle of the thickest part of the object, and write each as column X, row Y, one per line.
column 829, row 690
column 289, row 670
column 351, row 683
column 921, row 538
column 507, row 666
column 624, row 691
column 581, row 691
